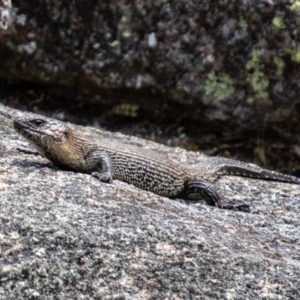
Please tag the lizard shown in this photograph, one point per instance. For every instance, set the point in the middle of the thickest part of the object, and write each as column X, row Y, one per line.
column 107, row 159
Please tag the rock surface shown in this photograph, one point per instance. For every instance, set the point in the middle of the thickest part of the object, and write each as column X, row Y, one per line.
column 235, row 61
column 64, row 235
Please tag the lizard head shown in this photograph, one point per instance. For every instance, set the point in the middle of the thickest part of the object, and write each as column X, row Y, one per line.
column 42, row 132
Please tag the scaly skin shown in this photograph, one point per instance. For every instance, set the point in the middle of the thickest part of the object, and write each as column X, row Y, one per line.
column 151, row 171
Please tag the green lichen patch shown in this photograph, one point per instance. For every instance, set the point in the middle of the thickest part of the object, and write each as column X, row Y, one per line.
column 295, row 53
column 295, row 7
column 243, row 23
column 220, row 86
column 96, row 46
column 124, row 19
column 278, row 23
column 126, row 109
column 280, row 65
column 250, row 100
column 256, row 77
column 126, row 34
column 115, row 43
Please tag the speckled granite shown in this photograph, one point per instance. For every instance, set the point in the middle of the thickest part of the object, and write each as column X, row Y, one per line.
column 64, row 235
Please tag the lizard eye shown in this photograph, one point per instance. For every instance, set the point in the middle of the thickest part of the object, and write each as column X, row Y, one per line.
column 37, row 122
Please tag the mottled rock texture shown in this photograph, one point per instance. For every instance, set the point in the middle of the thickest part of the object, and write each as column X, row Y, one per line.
column 231, row 60
column 64, row 235
column 5, row 7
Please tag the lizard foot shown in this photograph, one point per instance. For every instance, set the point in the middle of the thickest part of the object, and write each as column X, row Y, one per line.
column 237, row 207
column 102, row 177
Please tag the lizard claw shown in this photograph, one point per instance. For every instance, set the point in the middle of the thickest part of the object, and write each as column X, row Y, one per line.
column 102, row 177
column 237, row 207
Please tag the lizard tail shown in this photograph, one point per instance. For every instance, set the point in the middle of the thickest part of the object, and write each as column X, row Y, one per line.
column 255, row 172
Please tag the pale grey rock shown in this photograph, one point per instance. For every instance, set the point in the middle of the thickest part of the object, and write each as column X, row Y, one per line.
column 64, row 235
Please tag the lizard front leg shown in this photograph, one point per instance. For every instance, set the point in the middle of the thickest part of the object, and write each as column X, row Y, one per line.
column 196, row 190
column 101, row 162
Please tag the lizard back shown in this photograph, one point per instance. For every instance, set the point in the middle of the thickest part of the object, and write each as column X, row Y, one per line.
column 145, row 169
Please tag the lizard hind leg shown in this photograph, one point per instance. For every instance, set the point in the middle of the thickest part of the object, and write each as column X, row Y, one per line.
column 196, row 190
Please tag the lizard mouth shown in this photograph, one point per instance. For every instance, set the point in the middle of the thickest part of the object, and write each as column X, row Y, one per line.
column 23, row 127
column 19, row 125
